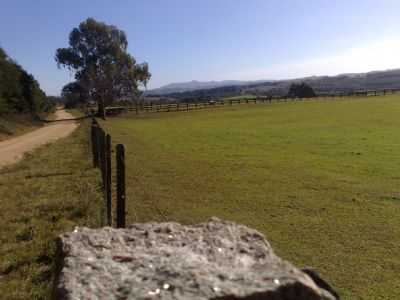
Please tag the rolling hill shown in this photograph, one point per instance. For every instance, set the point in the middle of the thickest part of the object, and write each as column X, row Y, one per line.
column 376, row 80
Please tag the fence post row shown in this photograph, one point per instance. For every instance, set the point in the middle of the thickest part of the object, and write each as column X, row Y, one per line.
column 101, row 152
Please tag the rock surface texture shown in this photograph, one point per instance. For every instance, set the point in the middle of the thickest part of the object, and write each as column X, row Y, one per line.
column 213, row 260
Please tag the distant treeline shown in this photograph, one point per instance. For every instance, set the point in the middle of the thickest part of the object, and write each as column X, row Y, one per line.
column 19, row 90
column 202, row 94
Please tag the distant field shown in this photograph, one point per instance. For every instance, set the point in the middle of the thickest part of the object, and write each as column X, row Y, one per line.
column 240, row 97
column 320, row 179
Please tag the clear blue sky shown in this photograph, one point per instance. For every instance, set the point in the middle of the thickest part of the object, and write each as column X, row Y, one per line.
column 185, row 40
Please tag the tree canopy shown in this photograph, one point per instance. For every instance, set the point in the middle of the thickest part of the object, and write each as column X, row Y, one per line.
column 97, row 54
column 19, row 90
column 301, row 90
column 74, row 94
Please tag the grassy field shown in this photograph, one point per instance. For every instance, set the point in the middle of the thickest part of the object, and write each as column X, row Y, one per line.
column 320, row 179
column 52, row 190
column 241, row 97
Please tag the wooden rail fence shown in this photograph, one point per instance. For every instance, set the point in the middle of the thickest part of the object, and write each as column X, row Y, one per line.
column 152, row 107
column 102, row 159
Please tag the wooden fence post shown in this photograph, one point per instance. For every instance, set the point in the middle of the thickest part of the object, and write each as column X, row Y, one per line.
column 103, row 165
column 94, row 145
column 108, row 180
column 187, row 106
column 98, row 150
column 120, row 186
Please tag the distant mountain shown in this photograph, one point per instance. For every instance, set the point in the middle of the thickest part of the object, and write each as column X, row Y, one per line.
column 193, row 85
column 375, row 80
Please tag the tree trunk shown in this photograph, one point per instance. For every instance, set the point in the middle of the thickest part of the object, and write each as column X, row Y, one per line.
column 101, row 111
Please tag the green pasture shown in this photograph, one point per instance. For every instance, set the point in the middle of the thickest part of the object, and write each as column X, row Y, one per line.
column 321, row 180
column 240, row 97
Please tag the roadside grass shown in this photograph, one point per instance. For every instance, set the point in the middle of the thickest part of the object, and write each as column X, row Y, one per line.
column 319, row 178
column 49, row 192
column 13, row 125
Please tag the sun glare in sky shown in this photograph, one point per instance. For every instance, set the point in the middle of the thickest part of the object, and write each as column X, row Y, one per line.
column 380, row 55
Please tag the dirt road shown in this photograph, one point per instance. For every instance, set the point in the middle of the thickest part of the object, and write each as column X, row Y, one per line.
column 14, row 149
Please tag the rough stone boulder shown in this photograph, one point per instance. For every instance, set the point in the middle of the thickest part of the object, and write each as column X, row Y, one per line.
column 212, row 260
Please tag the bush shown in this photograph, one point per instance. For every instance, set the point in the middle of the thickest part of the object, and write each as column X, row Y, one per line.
column 19, row 90
column 301, row 90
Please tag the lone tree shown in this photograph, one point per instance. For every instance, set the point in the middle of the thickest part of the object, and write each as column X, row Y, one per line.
column 97, row 54
column 301, row 90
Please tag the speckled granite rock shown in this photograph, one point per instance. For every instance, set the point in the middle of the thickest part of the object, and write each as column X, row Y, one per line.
column 213, row 260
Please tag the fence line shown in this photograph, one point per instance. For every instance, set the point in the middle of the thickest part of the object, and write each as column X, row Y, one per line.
column 152, row 107
column 102, row 159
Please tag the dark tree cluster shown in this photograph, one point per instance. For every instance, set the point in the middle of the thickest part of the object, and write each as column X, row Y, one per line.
column 203, row 94
column 301, row 90
column 74, row 94
column 19, row 91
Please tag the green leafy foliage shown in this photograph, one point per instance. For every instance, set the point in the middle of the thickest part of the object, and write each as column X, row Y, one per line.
column 74, row 94
column 19, row 90
column 97, row 53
